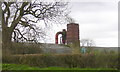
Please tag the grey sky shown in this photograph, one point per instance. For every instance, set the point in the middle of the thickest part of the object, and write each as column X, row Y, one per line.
column 97, row 20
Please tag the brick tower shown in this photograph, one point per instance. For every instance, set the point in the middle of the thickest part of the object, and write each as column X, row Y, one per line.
column 73, row 36
column 72, row 33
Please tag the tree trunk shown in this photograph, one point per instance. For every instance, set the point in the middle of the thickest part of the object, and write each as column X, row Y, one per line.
column 6, row 34
column 6, row 40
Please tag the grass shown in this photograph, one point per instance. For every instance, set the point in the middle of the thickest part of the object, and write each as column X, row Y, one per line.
column 26, row 67
column 17, row 67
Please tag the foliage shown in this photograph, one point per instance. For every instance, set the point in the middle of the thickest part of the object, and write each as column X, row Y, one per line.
column 65, row 60
column 23, row 48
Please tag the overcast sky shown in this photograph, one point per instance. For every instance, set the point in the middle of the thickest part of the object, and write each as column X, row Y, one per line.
column 97, row 21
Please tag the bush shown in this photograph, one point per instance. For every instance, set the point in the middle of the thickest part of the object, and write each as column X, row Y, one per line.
column 106, row 60
column 65, row 60
column 21, row 48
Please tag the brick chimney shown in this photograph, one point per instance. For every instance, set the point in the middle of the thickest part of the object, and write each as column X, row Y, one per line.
column 73, row 37
column 72, row 33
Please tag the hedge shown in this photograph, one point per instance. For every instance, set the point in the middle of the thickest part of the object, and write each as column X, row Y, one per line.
column 65, row 60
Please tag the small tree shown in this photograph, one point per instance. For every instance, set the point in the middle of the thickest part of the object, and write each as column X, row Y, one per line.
column 88, row 43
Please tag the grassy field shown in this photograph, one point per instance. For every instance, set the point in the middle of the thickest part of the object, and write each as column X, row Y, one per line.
column 25, row 67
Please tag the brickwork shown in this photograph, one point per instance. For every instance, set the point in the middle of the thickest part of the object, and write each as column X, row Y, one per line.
column 72, row 33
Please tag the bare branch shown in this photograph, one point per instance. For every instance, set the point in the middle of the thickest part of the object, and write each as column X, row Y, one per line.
column 26, row 16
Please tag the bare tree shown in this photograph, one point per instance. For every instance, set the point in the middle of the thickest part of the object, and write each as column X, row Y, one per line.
column 19, row 19
column 87, row 43
column 70, row 19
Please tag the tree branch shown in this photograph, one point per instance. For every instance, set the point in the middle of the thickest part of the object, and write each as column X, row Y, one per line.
column 15, row 22
column 8, row 15
column 21, row 34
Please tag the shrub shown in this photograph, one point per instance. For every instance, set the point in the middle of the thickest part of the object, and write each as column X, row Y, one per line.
column 21, row 48
column 65, row 60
